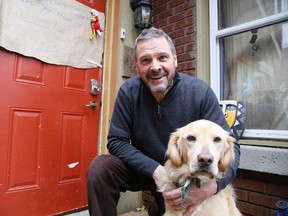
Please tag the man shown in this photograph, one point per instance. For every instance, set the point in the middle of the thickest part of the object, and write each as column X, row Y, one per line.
column 147, row 109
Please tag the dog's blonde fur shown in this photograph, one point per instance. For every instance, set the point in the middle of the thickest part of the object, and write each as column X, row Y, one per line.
column 199, row 151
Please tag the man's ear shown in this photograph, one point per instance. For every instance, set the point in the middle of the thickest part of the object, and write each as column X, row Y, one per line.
column 175, row 59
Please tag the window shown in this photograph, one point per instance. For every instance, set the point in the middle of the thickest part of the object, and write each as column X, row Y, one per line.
column 249, row 61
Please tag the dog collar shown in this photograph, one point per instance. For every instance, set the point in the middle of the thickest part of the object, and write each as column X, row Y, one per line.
column 186, row 187
column 186, row 190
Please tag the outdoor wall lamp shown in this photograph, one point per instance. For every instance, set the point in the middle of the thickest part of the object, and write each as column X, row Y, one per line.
column 142, row 13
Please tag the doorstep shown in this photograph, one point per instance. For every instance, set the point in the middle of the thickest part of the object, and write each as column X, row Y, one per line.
column 132, row 213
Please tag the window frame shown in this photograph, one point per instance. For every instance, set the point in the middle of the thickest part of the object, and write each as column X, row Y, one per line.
column 215, row 66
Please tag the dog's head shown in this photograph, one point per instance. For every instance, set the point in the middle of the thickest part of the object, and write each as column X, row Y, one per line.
column 204, row 146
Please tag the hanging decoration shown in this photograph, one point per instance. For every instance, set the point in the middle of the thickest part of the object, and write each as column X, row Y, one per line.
column 95, row 25
column 252, row 41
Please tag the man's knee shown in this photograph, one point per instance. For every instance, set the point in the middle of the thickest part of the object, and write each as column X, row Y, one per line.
column 95, row 167
column 102, row 166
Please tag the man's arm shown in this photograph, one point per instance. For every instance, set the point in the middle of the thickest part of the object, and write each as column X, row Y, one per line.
column 119, row 137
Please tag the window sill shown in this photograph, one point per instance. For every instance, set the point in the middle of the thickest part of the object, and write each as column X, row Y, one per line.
column 264, row 159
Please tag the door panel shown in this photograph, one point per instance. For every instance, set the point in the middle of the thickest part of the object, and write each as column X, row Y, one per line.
column 23, row 173
column 48, row 136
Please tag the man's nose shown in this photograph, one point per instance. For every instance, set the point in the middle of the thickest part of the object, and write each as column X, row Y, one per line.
column 155, row 65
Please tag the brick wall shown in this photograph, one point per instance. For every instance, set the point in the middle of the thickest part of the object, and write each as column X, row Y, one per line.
column 258, row 192
column 178, row 19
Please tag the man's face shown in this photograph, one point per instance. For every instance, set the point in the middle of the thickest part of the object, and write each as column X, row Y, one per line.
column 156, row 64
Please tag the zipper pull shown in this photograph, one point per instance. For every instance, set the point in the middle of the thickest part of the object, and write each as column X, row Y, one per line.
column 159, row 112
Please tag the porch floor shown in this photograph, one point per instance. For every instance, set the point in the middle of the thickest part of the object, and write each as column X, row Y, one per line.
column 132, row 213
column 135, row 213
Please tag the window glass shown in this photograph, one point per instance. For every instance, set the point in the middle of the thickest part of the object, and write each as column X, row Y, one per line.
column 254, row 68
column 235, row 12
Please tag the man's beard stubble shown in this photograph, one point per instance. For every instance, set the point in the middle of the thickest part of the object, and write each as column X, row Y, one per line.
column 164, row 87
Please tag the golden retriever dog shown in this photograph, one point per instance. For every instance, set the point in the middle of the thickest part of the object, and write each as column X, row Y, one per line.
column 196, row 153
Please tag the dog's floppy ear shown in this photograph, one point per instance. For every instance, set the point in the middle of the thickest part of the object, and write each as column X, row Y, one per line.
column 176, row 152
column 228, row 154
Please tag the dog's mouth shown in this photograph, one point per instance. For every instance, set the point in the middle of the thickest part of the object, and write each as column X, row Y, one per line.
column 201, row 176
column 208, row 171
column 204, row 173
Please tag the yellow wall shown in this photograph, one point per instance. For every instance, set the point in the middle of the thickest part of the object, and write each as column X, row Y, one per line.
column 118, row 15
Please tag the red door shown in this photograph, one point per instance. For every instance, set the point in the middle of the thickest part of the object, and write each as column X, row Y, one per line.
column 48, row 136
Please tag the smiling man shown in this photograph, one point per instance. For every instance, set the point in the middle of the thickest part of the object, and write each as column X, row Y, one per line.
column 156, row 62
column 148, row 108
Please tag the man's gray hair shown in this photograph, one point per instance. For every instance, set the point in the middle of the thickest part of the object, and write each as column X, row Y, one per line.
column 151, row 33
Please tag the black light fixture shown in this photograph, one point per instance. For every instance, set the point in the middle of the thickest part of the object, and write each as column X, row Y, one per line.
column 142, row 13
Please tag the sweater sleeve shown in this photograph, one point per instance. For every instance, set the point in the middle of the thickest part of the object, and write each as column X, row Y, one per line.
column 231, row 172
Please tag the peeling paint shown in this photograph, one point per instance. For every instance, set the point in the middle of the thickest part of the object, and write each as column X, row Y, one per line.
column 72, row 165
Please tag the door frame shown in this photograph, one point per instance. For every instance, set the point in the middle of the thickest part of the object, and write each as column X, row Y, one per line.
column 111, row 69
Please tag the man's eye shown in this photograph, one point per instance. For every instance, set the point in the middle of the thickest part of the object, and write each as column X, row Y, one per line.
column 144, row 60
column 163, row 58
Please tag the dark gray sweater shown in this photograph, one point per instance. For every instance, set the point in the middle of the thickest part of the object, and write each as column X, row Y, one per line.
column 139, row 120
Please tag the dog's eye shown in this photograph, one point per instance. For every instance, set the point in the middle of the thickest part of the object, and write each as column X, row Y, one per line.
column 191, row 138
column 217, row 139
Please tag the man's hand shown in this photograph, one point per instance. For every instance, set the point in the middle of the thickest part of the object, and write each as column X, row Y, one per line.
column 159, row 173
column 195, row 197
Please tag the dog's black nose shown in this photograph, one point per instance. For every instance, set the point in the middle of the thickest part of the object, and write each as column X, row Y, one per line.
column 205, row 159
